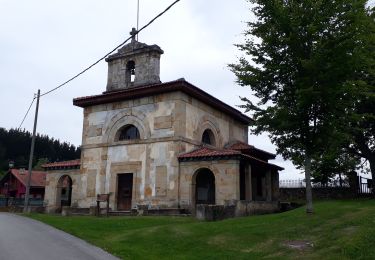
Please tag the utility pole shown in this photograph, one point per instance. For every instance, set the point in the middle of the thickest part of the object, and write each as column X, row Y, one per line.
column 27, row 194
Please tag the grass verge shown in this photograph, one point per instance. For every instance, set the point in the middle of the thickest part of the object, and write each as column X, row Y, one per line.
column 337, row 230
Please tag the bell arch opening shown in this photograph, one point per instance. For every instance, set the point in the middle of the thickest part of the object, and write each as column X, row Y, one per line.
column 130, row 71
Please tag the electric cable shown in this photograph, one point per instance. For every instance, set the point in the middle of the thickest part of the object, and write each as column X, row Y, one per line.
column 118, row 46
column 27, row 112
column 102, row 58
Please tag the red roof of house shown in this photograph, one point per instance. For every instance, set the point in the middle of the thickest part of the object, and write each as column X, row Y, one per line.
column 38, row 178
column 70, row 163
column 154, row 89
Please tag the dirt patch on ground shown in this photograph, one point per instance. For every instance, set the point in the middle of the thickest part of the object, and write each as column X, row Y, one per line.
column 299, row 244
column 349, row 231
column 220, row 240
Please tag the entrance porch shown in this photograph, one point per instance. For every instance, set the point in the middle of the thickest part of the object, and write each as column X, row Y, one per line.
column 210, row 176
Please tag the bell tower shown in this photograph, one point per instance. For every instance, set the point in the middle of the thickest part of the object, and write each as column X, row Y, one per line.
column 133, row 65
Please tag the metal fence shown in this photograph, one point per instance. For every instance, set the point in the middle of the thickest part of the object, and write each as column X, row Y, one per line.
column 363, row 185
column 4, row 202
column 298, row 183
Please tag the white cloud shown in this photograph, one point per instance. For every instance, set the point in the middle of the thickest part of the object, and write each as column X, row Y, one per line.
column 43, row 43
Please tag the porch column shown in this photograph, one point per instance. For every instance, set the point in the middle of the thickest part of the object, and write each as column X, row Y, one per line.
column 275, row 186
column 268, row 185
column 248, row 185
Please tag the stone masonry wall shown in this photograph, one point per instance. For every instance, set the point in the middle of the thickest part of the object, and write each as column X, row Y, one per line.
column 51, row 196
column 200, row 116
column 226, row 174
column 239, row 208
column 169, row 124
column 147, row 70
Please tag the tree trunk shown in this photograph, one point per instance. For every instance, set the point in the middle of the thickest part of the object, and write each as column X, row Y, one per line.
column 372, row 168
column 309, row 205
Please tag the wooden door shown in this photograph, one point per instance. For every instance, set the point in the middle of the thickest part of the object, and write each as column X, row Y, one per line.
column 124, row 191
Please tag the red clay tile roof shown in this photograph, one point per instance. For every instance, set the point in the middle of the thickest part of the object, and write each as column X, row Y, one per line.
column 239, row 146
column 252, row 158
column 70, row 163
column 208, row 152
column 154, row 89
column 38, row 178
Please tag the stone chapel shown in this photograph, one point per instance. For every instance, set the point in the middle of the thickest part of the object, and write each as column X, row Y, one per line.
column 160, row 145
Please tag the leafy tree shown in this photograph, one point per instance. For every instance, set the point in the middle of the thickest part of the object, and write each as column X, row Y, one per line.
column 15, row 146
column 40, row 162
column 361, row 123
column 300, row 64
column 328, row 166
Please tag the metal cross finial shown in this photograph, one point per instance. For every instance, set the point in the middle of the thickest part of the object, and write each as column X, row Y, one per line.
column 133, row 33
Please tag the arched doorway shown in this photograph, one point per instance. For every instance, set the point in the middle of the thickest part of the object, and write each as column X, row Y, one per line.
column 64, row 191
column 204, row 187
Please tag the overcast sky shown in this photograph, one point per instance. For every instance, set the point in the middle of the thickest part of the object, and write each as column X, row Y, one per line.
column 43, row 43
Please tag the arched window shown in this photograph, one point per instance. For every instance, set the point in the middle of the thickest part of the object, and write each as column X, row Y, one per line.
column 129, row 132
column 208, row 137
column 130, row 71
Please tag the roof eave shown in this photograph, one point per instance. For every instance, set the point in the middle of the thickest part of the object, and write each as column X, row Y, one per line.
column 268, row 154
column 178, row 85
column 210, row 158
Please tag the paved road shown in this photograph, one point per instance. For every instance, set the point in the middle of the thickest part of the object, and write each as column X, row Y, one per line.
column 23, row 238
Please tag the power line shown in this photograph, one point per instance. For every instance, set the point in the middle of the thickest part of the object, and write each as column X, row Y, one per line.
column 102, row 58
column 27, row 112
column 118, row 46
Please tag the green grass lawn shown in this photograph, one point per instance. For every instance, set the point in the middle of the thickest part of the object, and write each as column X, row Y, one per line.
column 338, row 230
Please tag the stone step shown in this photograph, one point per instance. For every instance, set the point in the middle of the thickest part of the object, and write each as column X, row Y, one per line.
column 167, row 212
column 179, row 215
column 120, row 213
column 79, row 214
column 153, row 212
